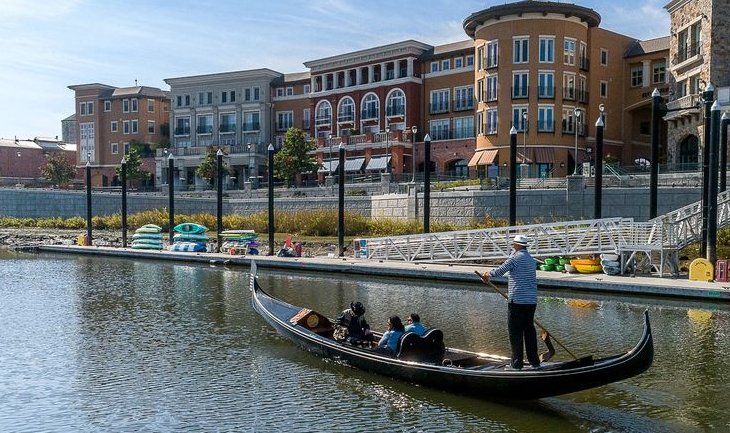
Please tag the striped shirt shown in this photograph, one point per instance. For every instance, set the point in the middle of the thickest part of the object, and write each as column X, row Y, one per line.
column 522, row 277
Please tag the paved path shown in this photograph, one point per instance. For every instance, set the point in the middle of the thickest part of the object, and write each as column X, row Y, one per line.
column 600, row 283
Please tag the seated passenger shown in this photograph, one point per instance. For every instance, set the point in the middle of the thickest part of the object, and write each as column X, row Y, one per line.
column 390, row 338
column 415, row 325
column 350, row 325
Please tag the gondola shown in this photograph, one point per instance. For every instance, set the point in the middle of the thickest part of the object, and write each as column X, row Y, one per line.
column 426, row 361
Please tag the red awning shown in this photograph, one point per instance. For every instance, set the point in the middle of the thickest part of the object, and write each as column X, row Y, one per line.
column 544, row 155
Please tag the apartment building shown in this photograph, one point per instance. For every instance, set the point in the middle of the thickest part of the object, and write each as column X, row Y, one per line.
column 699, row 56
column 109, row 118
column 547, row 69
column 229, row 110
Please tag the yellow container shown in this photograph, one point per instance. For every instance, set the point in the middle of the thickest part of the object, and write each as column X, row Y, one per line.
column 701, row 270
column 81, row 240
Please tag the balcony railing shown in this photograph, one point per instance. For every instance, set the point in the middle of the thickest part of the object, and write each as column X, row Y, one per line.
column 520, row 92
column 227, row 128
column 441, row 107
column 569, row 93
column 546, row 92
column 346, row 117
column 182, row 131
column 281, row 127
column 688, row 51
column 204, row 129
column 251, row 126
column 684, row 103
column 569, row 128
column 395, row 110
column 584, row 64
column 583, row 96
column 440, row 134
column 322, row 120
column 462, row 133
column 370, row 114
column 490, row 96
column 463, row 104
column 545, row 126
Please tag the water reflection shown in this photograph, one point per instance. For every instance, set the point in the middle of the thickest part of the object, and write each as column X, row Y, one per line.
column 99, row 344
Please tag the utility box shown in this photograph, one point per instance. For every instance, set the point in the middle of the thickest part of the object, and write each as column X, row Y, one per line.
column 701, row 270
column 721, row 271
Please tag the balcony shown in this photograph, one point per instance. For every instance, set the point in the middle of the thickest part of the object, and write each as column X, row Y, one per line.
column 398, row 110
column 204, row 129
column 282, row 127
column 569, row 93
column 182, row 131
column 346, row 117
column 569, row 128
column 520, row 92
column 441, row 107
column 685, row 106
column 251, row 126
column 584, row 64
column 583, row 96
column 370, row 114
column 545, row 126
column 322, row 120
column 439, row 134
column 687, row 52
column 546, row 92
column 463, row 104
column 462, row 133
column 227, row 128
column 490, row 96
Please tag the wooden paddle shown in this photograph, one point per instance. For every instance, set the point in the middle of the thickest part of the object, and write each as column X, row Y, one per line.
column 544, row 335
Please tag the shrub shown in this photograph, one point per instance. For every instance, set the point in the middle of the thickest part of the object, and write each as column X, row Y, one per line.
column 355, row 192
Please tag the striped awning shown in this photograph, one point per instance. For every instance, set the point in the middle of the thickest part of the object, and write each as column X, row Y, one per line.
column 544, row 155
column 329, row 166
column 354, row 164
column 521, row 158
column 378, row 163
column 484, row 157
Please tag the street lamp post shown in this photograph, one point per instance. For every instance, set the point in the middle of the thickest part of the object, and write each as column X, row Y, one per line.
column 576, row 115
column 18, row 154
column 387, row 149
column 171, row 195
column 124, row 201
column 329, row 139
column 88, row 199
column 219, row 201
column 250, row 168
column 524, row 145
column 414, row 130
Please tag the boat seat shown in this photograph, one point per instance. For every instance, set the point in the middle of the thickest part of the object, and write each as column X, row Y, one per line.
column 427, row 348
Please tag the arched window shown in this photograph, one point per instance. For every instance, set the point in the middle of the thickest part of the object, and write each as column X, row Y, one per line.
column 396, row 104
column 346, row 110
column 323, row 113
column 689, row 150
column 370, row 107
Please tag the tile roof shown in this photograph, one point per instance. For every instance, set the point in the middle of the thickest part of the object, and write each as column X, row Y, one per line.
column 454, row 46
column 649, row 46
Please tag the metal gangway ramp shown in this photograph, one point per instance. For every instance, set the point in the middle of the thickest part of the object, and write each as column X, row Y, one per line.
column 657, row 242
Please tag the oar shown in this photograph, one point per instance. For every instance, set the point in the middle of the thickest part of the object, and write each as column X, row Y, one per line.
column 547, row 337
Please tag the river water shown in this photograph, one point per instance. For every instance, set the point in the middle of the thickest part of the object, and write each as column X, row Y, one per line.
column 93, row 344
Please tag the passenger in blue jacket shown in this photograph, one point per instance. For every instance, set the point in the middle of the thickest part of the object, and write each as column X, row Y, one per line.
column 390, row 338
column 415, row 325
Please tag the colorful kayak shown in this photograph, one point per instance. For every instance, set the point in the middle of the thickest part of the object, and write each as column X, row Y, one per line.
column 190, row 237
column 137, row 246
column 147, row 242
column 157, row 236
column 188, row 247
column 190, row 228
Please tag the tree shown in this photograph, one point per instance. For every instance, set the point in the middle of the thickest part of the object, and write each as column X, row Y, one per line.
column 208, row 168
column 58, row 169
column 134, row 172
column 293, row 157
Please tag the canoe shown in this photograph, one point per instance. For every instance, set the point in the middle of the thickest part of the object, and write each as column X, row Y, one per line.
column 190, row 228
column 426, row 361
column 588, row 269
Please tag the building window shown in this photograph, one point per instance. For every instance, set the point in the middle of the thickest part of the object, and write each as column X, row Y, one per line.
column 115, row 148
column 518, row 120
column 126, row 148
column 464, row 127
column 232, row 95
column 439, row 101
column 584, row 56
column 520, row 50
column 491, row 88
column 458, row 62
column 107, row 105
column 323, row 114
column 480, row 57
column 150, row 105
column 492, row 54
column 187, row 100
column 289, row 91
column 370, row 109
column 545, row 121
column 546, row 84
column 637, row 75
column 547, row 49
column 492, row 121
column 205, row 124
column 251, row 121
column 82, row 109
column 446, row 65
column 135, row 126
column 279, row 92
column 464, row 98
column 520, row 84
column 284, row 120
column 135, row 105
column 470, row 60
column 604, row 57
column 603, row 90
column 480, row 123
column 569, row 52
column 434, row 66
column 125, row 105
column 256, row 93
column 396, row 103
column 125, row 127
column 439, row 129
column 224, row 97
column 306, row 116
column 644, row 127
column 182, row 126
column 90, row 108
column 151, row 126
column 227, row 123
column 179, row 101
column 307, row 88
column 569, row 86
column 569, row 120
column 660, row 71
column 115, row 126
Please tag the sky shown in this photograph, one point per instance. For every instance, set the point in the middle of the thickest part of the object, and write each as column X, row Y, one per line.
column 48, row 45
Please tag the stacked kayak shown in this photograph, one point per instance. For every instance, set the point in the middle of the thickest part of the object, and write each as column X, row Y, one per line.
column 587, row 266
column 239, row 242
column 147, row 237
column 610, row 264
column 189, row 237
column 555, row 264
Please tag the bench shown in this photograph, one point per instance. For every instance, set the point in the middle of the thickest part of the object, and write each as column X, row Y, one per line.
column 427, row 348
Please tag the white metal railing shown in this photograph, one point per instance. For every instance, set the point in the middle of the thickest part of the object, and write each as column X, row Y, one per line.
column 683, row 226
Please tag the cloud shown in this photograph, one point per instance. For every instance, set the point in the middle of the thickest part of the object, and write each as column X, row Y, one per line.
column 38, row 9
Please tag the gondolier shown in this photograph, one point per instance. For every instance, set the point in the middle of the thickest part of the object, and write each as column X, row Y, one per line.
column 522, row 299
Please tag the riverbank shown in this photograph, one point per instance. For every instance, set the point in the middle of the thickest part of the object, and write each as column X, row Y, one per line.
column 644, row 285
